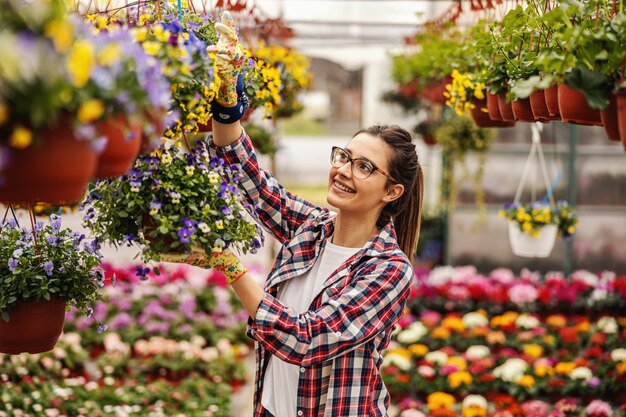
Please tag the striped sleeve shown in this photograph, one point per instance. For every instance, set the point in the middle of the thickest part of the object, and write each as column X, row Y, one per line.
column 370, row 304
column 279, row 211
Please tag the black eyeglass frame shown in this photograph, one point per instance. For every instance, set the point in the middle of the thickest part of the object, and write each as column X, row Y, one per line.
column 351, row 160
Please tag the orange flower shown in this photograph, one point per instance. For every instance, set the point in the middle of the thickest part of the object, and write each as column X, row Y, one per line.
column 474, row 411
column 453, row 323
column 621, row 368
column 526, row 381
column 440, row 333
column 480, row 331
column 584, row 326
column 556, row 320
column 495, row 338
column 418, row 349
column 440, row 399
column 533, row 350
column 565, row 368
column 542, row 371
column 403, row 378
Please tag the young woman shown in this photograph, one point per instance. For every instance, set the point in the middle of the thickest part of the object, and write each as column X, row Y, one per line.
column 340, row 281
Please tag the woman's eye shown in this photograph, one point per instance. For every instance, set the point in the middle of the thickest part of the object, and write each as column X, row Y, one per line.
column 365, row 167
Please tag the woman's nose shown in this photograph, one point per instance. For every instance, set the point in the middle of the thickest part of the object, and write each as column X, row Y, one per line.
column 346, row 169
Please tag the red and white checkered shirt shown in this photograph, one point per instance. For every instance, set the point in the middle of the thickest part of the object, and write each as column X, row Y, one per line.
column 338, row 343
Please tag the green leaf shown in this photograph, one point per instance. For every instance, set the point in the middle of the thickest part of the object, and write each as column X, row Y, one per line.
column 593, row 85
column 122, row 214
column 163, row 229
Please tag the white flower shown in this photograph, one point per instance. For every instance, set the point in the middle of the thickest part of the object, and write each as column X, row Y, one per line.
column 477, row 352
column 475, row 401
column 581, row 372
column 524, row 321
column 471, row 320
column 441, row 276
column 413, row 333
column 618, row 355
column 598, row 294
column 511, row 370
column 437, row 357
column 412, row 413
column 398, row 360
column 37, row 407
column 586, row 277
column 608, row 325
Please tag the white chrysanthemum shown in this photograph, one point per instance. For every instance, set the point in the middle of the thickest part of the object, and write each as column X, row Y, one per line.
column 475, row 401
column 608, row 325
column 441, row 276
column 511, row 370
column 527, row 322
column 412, row 413
column 437, row 357
column 618, row 355
column 586, row 277
column 477, row 352
column 473, row 319
column 398, row 360
column 413, row 333
column 582, row 372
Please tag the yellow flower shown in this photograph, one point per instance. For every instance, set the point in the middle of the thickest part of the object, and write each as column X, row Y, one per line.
column 61, row 33
column 456, row 379
column 166, row 158
column 90, row 110
column 190, row 169
column 151, row 47
column 533, row 350
column 440, row 333
column 101, row 22
column 141, row 35
column 565, row 368
column 621, row 368
column 418, row 350
column 542, row 371
column 453, row 323
column 143, row 19
column 458, row 362
column 570, row 230
column 474, row 411
column 110, row 55
column 526, row 381
column 549, row 340
column 584, row 326
column 438, row 400
column 219, row 224
column 527, row 227
column 80, row 62
column 21, row 138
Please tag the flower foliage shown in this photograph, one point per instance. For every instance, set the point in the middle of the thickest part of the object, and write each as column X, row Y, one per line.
column 462, row 91
column 531, row 217
column 61, row 263
column 170, row 201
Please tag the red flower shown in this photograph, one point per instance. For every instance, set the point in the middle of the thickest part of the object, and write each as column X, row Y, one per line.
column 556, row 382
column 569, row 335
column 593, row 352
column 504, row 401
column 598, row 338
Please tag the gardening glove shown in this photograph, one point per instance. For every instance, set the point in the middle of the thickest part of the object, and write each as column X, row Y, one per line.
column 225, row 262
column 229, row 58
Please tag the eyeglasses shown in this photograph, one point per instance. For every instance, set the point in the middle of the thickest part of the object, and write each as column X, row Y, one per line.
column 362, row 168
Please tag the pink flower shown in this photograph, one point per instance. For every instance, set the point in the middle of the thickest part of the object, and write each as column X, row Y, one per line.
column 425, row 371
column 598, row 408
column 503, row 276
column 459, row 293
column 448, row 369
column 430, row 318
column 523, row 294
column 536, row 407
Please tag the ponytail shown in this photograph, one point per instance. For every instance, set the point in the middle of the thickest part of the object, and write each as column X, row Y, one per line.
column 406, row 211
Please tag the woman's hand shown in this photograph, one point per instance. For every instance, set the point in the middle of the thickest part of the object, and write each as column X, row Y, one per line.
column 225, row 262
column 228, row 58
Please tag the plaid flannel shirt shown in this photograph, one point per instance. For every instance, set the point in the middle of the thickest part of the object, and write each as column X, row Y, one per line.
column 338, row 342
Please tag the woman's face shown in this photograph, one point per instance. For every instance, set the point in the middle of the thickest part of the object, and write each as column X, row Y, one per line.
column 361, row 196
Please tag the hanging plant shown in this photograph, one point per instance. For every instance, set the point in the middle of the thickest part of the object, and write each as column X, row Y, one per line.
column 458, row 138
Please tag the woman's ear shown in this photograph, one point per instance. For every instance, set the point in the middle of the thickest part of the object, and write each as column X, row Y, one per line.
column 394, row 192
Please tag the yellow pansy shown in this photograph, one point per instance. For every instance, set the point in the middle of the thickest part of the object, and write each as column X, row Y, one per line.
column 90, row 110
column 151, row 47
column 80, row 62
column 61, row 33
column 110, row 54
column 21, row 138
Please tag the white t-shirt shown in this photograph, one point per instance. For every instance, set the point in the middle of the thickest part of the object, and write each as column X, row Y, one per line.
column 280, row 385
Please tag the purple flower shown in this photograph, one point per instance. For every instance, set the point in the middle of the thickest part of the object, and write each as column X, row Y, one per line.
column 142, row 272
column 48, row 267
column 226, row 210
column 102, row 328
column 56, row 223
column 129, row 238
column 594, row 382
column 184, row 235
column 13, row 264
column 121, row 321
column 188, row 223
column 134, row 174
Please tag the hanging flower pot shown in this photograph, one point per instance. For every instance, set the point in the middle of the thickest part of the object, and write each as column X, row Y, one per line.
column 55, row 171
column 492, row 106
column 522, row 111
column 525, row 245
column 609, row 118
column 552, row 101
column 33, row 327
column 205, row 128
column 505, row 108
column 575, row 109
column 621, row 115
column 481, row 116
column 539, row 107
column 123, row 145
column 429, row 140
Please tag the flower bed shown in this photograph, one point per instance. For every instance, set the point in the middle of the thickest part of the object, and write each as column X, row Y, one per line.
column 524, row 337
column 173, row 346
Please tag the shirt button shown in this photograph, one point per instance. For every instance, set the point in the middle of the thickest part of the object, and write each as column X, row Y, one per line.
column 338, row 334
column 301, row 370
column 299, row 412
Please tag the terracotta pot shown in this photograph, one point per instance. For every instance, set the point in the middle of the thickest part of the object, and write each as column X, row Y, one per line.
column 55, row 171
column 33, row 327
column 481, row 116
column 574, row 108
column 522, row 111
column 409, row 90
column 552, row 101
column 492, row 107
column 609, row 119
column 505, row 108
column 122, row 148
column 621, row 116
column 539, row 107
column 429, row 140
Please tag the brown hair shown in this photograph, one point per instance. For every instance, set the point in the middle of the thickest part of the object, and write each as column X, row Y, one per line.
column 406, row 211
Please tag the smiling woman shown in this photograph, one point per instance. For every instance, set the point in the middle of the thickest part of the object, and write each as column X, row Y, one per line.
column 340, row 281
